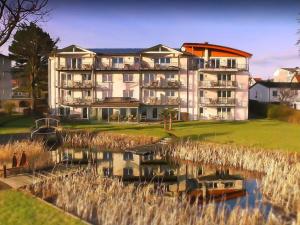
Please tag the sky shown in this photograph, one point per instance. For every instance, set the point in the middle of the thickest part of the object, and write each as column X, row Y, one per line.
column 265, row 28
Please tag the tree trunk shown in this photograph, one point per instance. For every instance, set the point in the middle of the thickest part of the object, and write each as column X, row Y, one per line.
column 170, row 122
column 33, row 94
column 165, row 123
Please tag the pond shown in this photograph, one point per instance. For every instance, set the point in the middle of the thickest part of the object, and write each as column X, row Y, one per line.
column 227, row 186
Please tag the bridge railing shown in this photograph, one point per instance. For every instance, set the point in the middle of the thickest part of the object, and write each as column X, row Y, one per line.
column 46, row 122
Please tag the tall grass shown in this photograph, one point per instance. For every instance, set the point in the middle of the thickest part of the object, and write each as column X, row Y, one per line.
column 37, row 156
column 105, row 140
column 281, row 182
column 109, row 202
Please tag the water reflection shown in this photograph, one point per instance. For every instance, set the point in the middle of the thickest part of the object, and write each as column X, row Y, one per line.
column 173, row 178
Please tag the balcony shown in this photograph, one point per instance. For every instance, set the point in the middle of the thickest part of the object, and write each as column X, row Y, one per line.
column 118, row 66
column 86, row 84
column 82, row 67
column 163, row 84
column 208, row 66
column 218, row 101
column 218, row 84
column 162, row 101
column 172, row 66
column 86, row 101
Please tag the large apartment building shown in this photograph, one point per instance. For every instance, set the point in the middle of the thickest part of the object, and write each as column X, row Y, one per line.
column 201, row 81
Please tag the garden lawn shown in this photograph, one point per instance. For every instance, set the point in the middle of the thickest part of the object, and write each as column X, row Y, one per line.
column 18, row 208
column 270, row 134
column 15, row 124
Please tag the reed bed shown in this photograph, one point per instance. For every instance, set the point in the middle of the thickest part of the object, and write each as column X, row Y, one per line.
column 105, row 140
column 37, row 157
column 109, row 202
column 281, row 181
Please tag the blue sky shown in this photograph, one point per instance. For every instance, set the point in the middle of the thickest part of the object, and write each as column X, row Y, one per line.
column 267, row 29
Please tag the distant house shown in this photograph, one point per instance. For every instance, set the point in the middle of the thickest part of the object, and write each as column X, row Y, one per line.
column 285, row 74
column 269, row 92
column 5, row 77
column 254, row 80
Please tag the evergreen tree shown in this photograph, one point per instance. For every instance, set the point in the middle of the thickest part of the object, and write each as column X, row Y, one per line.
column 30, row 49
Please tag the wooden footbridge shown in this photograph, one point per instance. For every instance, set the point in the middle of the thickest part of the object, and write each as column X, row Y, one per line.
column 46, row 129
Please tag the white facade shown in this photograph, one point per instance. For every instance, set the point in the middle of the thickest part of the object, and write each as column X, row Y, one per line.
column 136, row 84
column 285, row 74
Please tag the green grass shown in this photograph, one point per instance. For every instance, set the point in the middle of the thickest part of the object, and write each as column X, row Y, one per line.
column 271, row 134
column 15, row 124
column 18, row 208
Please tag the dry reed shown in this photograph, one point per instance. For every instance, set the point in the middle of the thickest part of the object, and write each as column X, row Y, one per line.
column 105, row 140
column 37, row 156
column 281, row 182
column 109, row 202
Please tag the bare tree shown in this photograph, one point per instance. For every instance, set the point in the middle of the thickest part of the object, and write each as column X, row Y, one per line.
column 16, row 12
column 286, row 95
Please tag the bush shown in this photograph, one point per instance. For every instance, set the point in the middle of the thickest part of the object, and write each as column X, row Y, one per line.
column 284, row 113
column 257, row 109
column 9, row 107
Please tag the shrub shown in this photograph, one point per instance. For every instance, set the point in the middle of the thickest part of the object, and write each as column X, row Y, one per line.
column 9, row 107
column 284, row 113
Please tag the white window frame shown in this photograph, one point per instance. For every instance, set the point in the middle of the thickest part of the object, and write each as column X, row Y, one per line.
column 127, row 93
column 127, row 77
column 170, row 76
column 170, row 93
column 107, row 78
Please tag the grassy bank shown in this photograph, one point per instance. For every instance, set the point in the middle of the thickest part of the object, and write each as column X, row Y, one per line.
column 271, row 134
column 19, row 208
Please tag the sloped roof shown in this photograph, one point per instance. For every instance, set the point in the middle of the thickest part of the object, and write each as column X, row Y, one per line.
column 293, row 70
column 297, row 77
column 271, row 84
column 112, row 51
column 219, row 47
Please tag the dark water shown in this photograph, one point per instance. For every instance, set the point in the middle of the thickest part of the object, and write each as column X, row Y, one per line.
column 173, row 178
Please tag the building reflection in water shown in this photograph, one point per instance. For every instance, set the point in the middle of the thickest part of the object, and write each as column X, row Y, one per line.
column 204, row 182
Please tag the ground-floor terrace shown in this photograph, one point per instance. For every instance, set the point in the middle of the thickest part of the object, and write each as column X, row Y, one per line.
column 120, row 109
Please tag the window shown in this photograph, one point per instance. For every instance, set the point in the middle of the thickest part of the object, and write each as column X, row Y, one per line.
column 149, row 93
column 136, row 60
column 106, row 78
column 105, row 94
column 148, row 157
column 170, row 93
column 201, row 77
column 224, row 110
column 274, row 93
column 128, row 93
column 224, row 77
column 117, row 60
column 87, row 76
column 149, row 78
column 198, row 63
column 148, row 172
column 69, row 76
column 74, row 63
column 127, row 77
column 128, row 156
column 87, row 93
column 162, row 60
column 107, row 172
column 224, row 94
column 215, row 63
column 201, row 94
column 170, row 76
column 107, row 155
column 127, row 171
column 154, row 113
column 69, row 93
column 231, row 63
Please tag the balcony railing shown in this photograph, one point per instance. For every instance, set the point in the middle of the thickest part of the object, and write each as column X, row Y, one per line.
column 217, row 84
column 76, row 84
column 80, row 67
column 118, row 66
column 162, row 101
column 76, row 101
column 208, row 66
column 171, row 84
column 158, row 66
column 218, row 101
